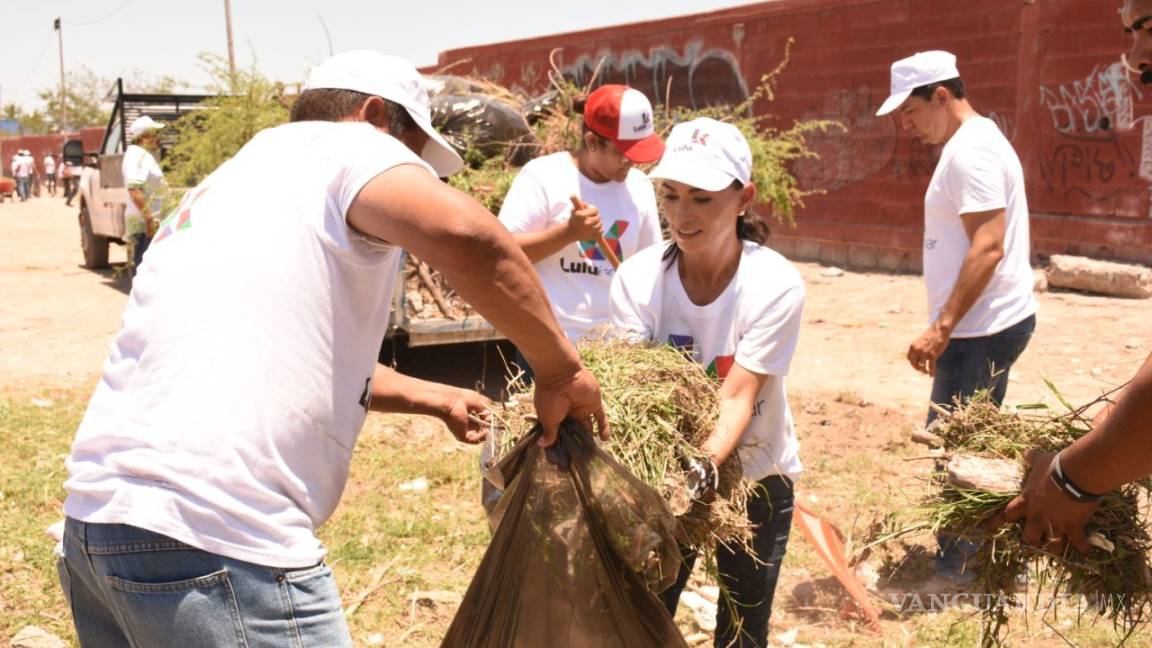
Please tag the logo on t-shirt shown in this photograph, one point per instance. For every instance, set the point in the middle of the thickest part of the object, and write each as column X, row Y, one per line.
column 591, row 250
column 719, row 366
column 181, row 218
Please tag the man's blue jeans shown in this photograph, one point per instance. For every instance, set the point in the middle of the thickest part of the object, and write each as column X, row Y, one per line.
column 23, row 186
column 130, row 587
column 967, row 366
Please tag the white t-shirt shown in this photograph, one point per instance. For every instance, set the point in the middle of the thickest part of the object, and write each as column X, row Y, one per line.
column 226, row 415
column 577, row 278
column 22, row 166
column 49, row 165
column 978, row 171
column 142, row 172
column 755, row 323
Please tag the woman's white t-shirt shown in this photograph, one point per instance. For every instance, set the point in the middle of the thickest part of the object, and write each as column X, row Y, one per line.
column 754, row 323
column 226, row 414
column 577, row 278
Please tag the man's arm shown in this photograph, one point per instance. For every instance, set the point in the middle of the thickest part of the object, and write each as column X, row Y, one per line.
column 464, row 411
column 985, row 250
column 454, row 234
column 1118, row 450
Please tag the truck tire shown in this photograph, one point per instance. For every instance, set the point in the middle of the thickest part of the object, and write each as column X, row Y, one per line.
column 95, row 247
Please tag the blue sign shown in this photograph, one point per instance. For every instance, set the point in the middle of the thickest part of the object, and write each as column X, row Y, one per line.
column 10, row 126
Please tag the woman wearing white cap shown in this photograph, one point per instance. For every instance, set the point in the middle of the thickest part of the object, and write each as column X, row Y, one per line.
column 735, row 306
column 577, row 214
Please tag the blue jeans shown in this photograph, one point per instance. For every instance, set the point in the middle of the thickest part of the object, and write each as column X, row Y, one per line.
column 967, row 366
column 130, row 587
column 22, row 188
column 750, row 579
column 139, row 247
column 971, row 364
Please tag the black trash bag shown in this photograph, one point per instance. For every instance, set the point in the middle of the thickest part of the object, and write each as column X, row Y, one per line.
column 476, row 125
column 580, row 547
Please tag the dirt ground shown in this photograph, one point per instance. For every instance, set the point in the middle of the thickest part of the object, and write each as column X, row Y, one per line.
column 854, row 396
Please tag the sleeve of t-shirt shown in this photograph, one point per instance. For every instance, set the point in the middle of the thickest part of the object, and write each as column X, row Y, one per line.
column 630, row 302
column 767, row 345
column 975, row 181
column 525, row 208
column 363, row 154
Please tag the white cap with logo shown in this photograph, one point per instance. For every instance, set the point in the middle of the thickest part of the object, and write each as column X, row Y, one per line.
column 142, row 125
column 706, row 154
column 920, row 69
column 394, row 79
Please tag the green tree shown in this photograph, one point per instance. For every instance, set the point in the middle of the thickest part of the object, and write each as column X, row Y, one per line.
column 86, row 99
column 205, row 139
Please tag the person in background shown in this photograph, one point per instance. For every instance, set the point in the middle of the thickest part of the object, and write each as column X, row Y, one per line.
column 982, row 310
column 577, row 213
column 50, row 174
column 22, row 169
column 146, row 186
column 735, row 306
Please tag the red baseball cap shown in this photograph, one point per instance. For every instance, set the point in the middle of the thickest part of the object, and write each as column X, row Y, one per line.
column 624, row 115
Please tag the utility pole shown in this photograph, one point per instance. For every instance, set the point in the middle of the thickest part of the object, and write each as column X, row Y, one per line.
column 231, row 49
column 63, row 95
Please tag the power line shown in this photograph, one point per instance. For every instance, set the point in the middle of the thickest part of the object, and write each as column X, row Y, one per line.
column 103, row 18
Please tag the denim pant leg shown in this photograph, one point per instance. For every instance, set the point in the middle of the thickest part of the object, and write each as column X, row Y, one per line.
column 969, row 365
column 22, row 188
column 161, row 592
column 751, row 580
column 139, row 247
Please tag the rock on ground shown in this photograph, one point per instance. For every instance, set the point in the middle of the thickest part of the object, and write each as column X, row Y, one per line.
column 1102, row 277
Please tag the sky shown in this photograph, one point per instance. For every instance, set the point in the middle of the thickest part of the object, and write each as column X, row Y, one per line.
column 155, row 38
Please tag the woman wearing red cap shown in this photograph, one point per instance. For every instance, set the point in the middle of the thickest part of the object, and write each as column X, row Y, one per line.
column 577, row 214
column 734, row 306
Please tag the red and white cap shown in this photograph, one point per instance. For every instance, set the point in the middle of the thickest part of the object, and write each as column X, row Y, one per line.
column 624, row 115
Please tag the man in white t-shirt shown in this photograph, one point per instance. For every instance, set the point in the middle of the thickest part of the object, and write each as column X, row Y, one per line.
column 577, row 214
column 220, row 434
column 50, row 173
column 976, row 241
column 23, row 169
column 146, row 186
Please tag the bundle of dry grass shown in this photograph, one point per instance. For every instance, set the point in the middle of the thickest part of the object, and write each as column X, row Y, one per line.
column 662, row 406
column 1114, row 579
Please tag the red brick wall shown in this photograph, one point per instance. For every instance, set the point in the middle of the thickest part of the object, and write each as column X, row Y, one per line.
column 1045, row 71
column 41, row 145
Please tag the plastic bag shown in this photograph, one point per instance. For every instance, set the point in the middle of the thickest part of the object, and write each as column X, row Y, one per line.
column 483, row 125
column 580, row 546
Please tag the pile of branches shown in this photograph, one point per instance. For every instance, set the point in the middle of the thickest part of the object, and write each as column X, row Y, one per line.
column 984, row 448
column 662, row 406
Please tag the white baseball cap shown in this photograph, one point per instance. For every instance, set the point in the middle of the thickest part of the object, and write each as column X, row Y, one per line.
column 394, row 79
column 920, row 69
column 706, row 154
column 143, row 125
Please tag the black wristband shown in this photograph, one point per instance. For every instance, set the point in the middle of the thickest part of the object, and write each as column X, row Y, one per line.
column 1067, row 487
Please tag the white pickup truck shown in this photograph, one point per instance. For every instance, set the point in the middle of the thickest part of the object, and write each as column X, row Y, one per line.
column 102, row 194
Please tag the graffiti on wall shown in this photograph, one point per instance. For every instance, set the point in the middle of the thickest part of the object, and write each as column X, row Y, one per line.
column 699, row 77
column 1092, row 160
